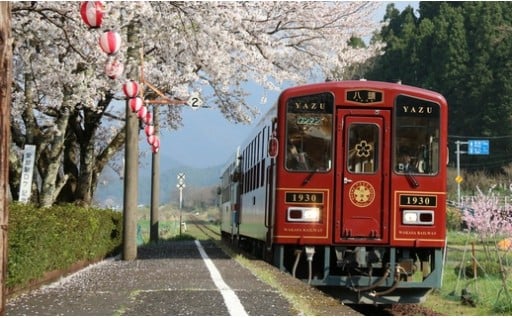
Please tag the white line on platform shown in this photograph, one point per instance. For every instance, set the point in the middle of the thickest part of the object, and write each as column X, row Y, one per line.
column 231, row 300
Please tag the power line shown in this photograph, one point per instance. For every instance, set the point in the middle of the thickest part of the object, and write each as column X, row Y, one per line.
column 479, row 137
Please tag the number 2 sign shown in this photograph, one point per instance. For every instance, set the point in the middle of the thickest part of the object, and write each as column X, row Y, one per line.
column 195, row 101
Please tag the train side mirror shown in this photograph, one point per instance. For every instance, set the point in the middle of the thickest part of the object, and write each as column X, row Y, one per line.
column 273, row 147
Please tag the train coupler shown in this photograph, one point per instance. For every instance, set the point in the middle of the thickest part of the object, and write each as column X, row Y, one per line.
column 396, row 282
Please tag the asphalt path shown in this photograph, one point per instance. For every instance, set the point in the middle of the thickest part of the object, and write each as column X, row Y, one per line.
column 176, row 278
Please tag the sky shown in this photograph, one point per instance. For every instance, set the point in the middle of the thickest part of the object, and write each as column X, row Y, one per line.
column 207, row 139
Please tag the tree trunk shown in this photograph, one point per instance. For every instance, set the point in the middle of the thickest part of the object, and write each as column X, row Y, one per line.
column 53, row 151
column 5, row 106
column 70, row 164
column 88, row 160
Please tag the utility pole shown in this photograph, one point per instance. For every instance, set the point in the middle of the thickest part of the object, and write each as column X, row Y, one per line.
column 131, row 168
column 5, row 107
column 155, row 184
column 458, row 178
column 194, row 101
column 135, row 53
column 155, row 158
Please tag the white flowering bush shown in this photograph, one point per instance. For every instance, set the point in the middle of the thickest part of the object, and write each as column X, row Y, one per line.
column 488, row 218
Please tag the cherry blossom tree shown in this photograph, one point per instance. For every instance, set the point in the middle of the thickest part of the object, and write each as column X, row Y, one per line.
column 492, row 221
column 487, row 217
column 65, row 105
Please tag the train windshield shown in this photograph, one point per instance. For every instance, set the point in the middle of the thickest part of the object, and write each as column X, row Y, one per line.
column 416, row 148
column 309, row 122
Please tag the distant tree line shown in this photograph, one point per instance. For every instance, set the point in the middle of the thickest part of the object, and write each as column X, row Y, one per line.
column 463, row 50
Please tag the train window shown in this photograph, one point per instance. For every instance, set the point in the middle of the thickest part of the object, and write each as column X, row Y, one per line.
column 363, row 148
column 417, row 123
column 309, row 122
column 262, row 173
column 245, row 175
column 225, row 186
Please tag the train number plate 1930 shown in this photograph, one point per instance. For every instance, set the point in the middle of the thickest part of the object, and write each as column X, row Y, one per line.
column 418, row 200
column 304, row 197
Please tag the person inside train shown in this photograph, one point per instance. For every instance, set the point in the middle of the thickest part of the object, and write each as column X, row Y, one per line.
column 296, row 160
column 407, row 163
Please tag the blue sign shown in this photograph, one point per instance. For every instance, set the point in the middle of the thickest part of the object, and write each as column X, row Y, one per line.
column 478, row 147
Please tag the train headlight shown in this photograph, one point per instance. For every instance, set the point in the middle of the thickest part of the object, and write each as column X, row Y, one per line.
column 410, row 217
column 303, row 214
column 417, row 217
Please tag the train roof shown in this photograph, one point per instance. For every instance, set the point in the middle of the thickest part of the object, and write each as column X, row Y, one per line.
column 362, row 84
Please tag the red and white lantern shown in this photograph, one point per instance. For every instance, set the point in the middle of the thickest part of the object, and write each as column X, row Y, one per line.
column 135, row 104
column 92, row 13
column 156, row 144
column 110, row 42
column 149, row 130
column 142, row 112
column 131, row 89
column 114, row 68
column 148, row 119
column 152, row 139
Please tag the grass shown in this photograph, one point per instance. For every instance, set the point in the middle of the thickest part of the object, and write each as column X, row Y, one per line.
column 268, row 277
column 448, row 307
column 485, row 291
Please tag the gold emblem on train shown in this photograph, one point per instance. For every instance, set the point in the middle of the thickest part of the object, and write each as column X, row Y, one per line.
column 364, row 149
column 362, row 194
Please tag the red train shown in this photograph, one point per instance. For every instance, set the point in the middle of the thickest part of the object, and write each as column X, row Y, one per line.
column 344, row 184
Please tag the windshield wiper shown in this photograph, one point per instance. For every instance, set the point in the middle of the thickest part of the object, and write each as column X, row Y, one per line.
column 411, row 179
column 308, row 178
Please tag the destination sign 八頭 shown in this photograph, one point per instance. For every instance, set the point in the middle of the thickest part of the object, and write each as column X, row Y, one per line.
column 364, row 96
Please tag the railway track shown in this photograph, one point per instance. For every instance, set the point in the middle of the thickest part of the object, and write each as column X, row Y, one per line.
column 204, row 227
column 326, row 301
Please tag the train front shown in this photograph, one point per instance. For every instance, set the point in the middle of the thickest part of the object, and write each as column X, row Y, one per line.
column 360, row 189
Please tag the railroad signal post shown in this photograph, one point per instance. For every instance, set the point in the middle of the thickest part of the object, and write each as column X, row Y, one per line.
column 180, row 186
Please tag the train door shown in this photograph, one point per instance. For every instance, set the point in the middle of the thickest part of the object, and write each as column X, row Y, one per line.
column 362, row 175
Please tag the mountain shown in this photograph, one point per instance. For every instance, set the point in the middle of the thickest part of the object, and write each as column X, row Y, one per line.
column 111, row 186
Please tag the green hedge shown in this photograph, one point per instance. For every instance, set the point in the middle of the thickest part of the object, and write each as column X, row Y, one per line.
column 43, row 240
